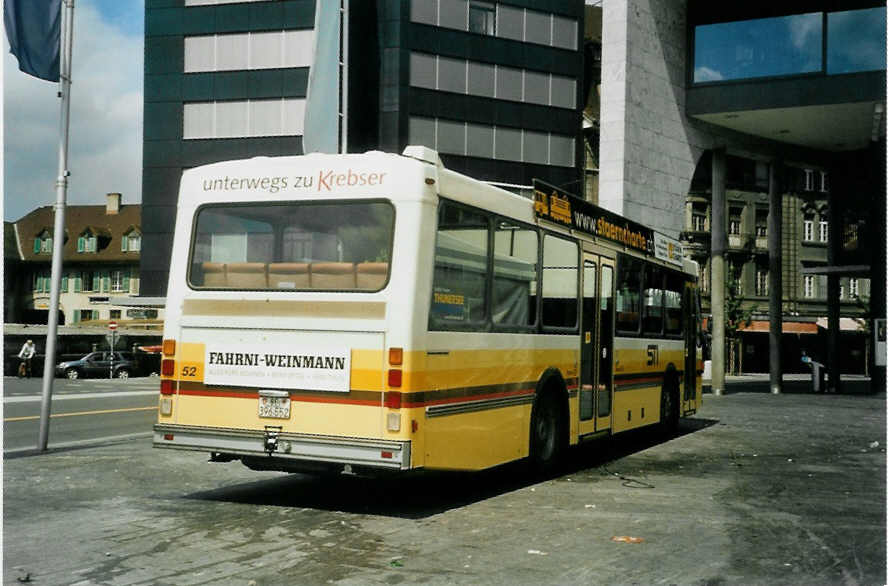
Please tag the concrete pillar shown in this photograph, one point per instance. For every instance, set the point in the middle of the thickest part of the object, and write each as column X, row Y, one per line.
column 719, row 244
column 775, row 275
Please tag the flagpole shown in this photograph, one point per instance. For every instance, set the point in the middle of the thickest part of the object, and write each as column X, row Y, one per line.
column 58, row 239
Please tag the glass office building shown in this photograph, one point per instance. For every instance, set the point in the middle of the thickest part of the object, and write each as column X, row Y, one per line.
column 494, row 86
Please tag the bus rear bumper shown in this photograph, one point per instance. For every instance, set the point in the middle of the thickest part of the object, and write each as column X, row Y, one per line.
column 282, row 447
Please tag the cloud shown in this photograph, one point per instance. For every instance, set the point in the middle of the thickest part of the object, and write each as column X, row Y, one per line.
column 706, row 74
column 105, row 142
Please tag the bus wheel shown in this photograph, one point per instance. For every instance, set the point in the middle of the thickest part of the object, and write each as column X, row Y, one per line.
column 669, row 408
column 545, row 435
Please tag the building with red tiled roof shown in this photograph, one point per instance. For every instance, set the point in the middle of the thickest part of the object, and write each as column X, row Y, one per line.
column 100, row 265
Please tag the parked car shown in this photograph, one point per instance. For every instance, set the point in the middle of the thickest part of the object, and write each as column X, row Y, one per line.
column 99, row 364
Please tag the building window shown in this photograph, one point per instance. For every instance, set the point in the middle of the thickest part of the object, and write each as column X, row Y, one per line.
column 809, row 180
column 854, row 287
column 244, row 118
column 698, row 217
column 824, row 231
column 810, row 287
column 761, row 223
column 482, row 17
column 761, row 282
column 87, row 242
column 809, row 227
column 43, row 242
column 249, row 51
column 491, row 81
column 131, row 242
column 735, row 274
column 115, row 314
column 855, row 40
column 211, row 2
column 88, row 281
column 117, row 281
column 824, row 181
column 763, row 47
column 507, row 144
column 502, row 20
column 734, row 216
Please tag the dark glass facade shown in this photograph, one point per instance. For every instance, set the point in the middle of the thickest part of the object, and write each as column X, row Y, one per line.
column 837, row 42
column 541, row 38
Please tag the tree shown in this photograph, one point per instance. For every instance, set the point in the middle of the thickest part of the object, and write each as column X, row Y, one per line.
column 736, row 316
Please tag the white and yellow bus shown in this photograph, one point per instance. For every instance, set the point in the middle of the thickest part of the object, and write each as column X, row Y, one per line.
column 377, row 311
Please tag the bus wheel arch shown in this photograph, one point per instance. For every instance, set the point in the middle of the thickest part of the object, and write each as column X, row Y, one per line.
column 670, row 399
column 549, row 422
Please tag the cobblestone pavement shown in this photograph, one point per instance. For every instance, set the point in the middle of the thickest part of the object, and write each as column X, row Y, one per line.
column 756, row 489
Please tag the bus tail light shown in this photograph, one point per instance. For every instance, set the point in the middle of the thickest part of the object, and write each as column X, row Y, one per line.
column 169, row 347
column 393, row 422
column 166, row 406
column 392, row 400
column 394, row 377
column 396, row 356
column 166, row 387
column 168, row 367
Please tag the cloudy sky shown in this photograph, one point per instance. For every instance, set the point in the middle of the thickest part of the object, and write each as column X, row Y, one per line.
column 105, row 148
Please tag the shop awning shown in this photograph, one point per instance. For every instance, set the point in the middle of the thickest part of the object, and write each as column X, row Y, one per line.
column 789, row 327
column 846, row 324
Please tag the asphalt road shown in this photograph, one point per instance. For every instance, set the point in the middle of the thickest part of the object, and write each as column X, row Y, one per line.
column 756, row 489
column 82, row 411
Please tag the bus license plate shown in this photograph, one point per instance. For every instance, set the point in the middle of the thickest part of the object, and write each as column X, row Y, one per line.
column 274, row 407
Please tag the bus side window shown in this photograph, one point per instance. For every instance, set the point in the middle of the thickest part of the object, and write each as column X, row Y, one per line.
column 515, row 251
column 629, row 272
column 652, row 322
column 459, row 286
column 561, row 267
column 673, row 303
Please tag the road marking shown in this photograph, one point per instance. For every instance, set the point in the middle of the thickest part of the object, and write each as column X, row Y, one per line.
column 61, row 397
column 101, row 412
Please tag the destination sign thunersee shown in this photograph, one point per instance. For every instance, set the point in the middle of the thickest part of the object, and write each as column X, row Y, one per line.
column 556, row 205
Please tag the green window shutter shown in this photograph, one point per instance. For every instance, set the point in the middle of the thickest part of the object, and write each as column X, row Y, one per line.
column 123, row 240
column 37, row 245
column 64, row 288
column 126, row 280
column 106, row 281
column 80, row 242
column 76, row 315
column 78, row 284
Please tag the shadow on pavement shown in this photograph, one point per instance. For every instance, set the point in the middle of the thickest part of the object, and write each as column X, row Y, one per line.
column 422, row 494
column 795, row 386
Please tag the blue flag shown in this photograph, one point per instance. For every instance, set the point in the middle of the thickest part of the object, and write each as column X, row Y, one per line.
column 34, row 29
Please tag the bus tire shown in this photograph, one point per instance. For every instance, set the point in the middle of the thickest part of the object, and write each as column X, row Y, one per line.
column 669, row 404
column 546, row 434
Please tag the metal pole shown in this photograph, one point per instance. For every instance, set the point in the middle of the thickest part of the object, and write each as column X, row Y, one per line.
column 775, row 276
column 833, row 253
column 58, row 241
column 719, row 244
column 343, row 77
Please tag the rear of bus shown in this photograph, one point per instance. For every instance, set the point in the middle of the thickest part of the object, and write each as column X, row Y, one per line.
column 288, row 303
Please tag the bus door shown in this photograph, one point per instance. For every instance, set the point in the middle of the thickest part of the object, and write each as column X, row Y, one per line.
column 596, row 339
column 691, row 326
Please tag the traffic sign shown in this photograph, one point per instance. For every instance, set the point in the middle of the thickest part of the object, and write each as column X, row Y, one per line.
column 112, row 325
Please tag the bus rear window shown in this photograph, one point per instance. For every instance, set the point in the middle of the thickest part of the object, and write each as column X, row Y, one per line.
column 342, row 246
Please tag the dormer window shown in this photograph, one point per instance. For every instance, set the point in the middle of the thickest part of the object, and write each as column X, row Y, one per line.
column 87, row 242
column 43, row 242
column 131, row 241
